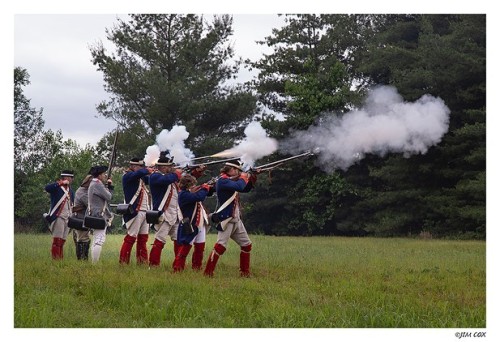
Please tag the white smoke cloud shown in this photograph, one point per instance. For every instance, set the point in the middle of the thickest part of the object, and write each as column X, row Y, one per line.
column 173, row 142
column 152, row 155
column 385, row 124
column 254, row 146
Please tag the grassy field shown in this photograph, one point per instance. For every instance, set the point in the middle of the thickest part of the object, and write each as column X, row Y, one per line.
column 297, row 282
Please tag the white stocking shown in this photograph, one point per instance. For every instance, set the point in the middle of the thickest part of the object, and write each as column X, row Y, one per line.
column 96, row 253
column 99, row 238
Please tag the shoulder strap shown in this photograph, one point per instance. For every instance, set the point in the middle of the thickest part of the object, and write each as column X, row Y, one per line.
column 228, row 202
column 58, row 204
column 137, row 192
column 167, row 196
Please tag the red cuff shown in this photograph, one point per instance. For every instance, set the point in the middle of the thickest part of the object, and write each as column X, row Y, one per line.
column 178, row 173
column 245, row 177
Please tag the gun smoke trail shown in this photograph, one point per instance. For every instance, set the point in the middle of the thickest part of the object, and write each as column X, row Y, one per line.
column 173, row 142
column 254, row 146
column 384, row 124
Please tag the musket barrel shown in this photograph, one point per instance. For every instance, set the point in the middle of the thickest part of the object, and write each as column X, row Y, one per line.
column 210, row 156
column 198, row 158
column 213, row 162
column 113, row 154
column 308, row 153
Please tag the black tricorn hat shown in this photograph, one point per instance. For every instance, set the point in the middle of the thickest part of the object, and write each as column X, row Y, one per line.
column 165, row 161
column 97, row 170
column 236, row 163
column 136, row 161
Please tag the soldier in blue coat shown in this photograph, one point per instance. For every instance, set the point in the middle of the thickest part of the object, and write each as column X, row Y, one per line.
column 61, row 202
column 164, row 193
column 231, row 182
column 134, row 183
column 192, row 230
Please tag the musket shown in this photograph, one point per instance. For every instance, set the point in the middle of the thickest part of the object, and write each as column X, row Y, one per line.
column 210, row 182
column 213, row 162
column 206, row 157
column 112, row 158
column 272, row 165
column 213, row 180
column 199, row 158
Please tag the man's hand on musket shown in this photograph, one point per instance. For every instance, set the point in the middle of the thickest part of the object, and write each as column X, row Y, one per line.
column 249, row 177
column 245, row 176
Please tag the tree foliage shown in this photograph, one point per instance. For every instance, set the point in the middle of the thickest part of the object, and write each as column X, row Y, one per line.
column 322, row 65
column 33, row 201
column 313, row 67
column 310, row 73
column 444, row 191
column 30, row 141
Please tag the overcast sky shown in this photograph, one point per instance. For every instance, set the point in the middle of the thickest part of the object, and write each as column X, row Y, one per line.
column 54, row 48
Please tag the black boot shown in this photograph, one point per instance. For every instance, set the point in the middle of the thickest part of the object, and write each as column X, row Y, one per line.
column 79, row 250
column 82, row 250
column 85, row 250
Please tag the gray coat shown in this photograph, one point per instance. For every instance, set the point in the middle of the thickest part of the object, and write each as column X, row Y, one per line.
column 99, row 197
column 81, row 200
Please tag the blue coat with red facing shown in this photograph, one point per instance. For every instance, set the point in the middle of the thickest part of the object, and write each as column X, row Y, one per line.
column 226, row 187
column 187, row 203
column 56, row 192
column 158, row 183
column 130, row 183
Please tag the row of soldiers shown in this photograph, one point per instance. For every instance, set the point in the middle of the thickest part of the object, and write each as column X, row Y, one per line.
column 166, row 190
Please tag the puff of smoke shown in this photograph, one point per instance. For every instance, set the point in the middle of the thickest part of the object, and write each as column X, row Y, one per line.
column 254, row 146
column 385, row 124
column 173, row 142
column 152, row 155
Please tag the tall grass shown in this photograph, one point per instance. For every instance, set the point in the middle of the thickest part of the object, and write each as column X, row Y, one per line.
column 313, row 282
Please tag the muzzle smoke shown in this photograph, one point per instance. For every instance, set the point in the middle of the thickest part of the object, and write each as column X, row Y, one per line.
column 254, row 146
column 152, row 155
column 385, row 124
column 173, row 142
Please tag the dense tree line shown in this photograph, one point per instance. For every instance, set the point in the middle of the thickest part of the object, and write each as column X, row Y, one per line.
column 175, row 69
column 443, row 191
column 323, row 63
